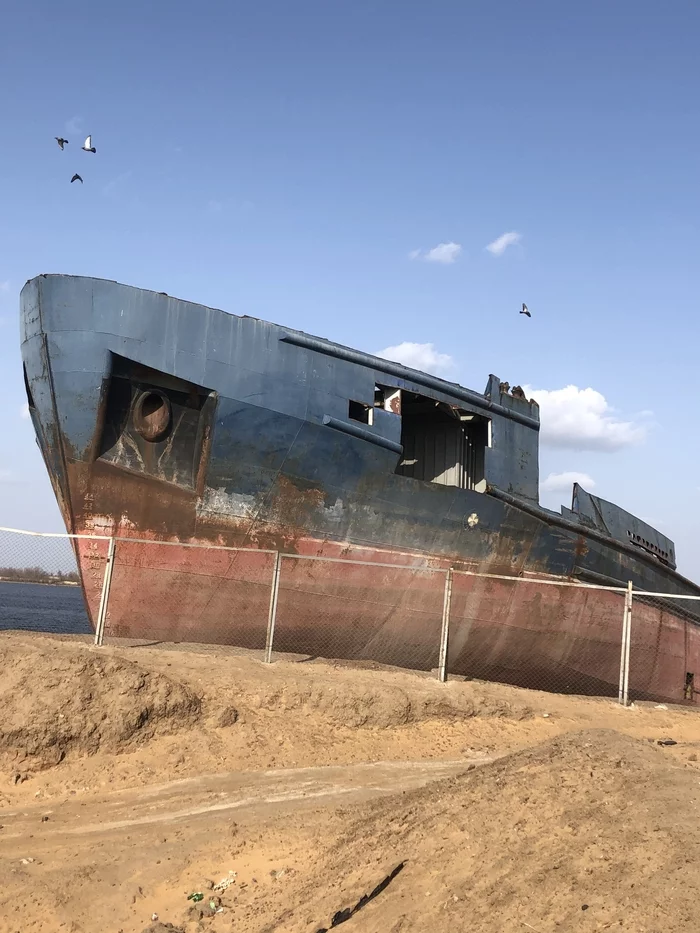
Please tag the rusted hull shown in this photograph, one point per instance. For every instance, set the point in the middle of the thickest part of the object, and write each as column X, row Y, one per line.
column 167, row 421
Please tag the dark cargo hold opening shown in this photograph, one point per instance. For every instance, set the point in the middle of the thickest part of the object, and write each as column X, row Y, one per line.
column 442, row 444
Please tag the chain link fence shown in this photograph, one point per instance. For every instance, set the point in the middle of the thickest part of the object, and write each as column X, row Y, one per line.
column 558, row 636
column 163, row 592
column 40, row 585
column 545, row 634
column 358, row 611
column 664, row 647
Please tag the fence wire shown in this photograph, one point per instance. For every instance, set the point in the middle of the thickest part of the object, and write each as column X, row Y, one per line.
column 40, row 582
column 161, row 592
column 559, row 637
column 359, row 611
column 552, row 635
column 664, row 662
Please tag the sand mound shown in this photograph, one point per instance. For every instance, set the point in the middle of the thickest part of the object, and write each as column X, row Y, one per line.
column 60, row 699
column 370, row 702
column 593, row 830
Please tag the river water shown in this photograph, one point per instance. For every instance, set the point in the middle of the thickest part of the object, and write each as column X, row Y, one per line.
column 36, row 607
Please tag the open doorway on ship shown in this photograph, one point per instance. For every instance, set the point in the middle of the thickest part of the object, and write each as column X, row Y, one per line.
column 442, row 444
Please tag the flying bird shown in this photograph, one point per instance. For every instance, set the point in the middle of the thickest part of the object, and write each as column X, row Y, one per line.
column 76, row 177
column 525, row 310
column 88, row 146
column 61, row 142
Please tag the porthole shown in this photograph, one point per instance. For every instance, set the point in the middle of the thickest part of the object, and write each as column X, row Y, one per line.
column 152, row 416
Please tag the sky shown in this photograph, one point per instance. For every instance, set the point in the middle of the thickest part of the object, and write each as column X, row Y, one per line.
column 397, row 176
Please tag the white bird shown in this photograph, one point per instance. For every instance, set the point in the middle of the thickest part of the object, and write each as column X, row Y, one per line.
column 525, row 310
column 76, row 178
column 88, row 146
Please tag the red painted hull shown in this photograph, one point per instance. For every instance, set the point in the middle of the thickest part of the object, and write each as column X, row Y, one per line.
column 526, row 632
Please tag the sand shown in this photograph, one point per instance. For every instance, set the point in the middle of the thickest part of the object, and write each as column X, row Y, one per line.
column 133, row 777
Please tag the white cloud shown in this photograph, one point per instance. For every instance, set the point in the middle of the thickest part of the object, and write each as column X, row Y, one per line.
column 581, row 419
column 563, row 482
column 214, row 206
column 74, row 125
column 5, row 286
column 421, row 356
column 501, row 243
column 443, row 253
column 24, row 410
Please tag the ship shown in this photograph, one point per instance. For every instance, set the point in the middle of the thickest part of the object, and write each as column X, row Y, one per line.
column 184, row 431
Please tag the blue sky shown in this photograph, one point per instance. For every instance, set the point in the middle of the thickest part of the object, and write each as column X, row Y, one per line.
column 299, row 161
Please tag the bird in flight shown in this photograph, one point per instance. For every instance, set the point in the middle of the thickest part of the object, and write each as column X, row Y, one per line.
column 88, row 146
column 525, row 310
column 61, row 142
column 76, row 177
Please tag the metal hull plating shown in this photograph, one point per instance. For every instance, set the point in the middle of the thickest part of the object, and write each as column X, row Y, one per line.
column 262, row 454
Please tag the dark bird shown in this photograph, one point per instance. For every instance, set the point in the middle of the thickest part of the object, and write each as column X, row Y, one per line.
column 61, row 142
column 76, row 178
column 525, row 310
column 88, row 146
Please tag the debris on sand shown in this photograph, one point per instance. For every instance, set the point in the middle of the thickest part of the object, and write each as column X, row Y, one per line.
column 225, row 882
column 341, row 916
column 159, row 927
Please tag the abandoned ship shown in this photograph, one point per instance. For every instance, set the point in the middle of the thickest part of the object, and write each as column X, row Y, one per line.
column 164, row 421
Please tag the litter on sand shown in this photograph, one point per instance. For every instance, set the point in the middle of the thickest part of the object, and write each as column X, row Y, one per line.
column 225, row 882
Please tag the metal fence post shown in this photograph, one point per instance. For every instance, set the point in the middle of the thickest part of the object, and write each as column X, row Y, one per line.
column 625, row 647
column 104, row 596
column 272, row 615
column 445, row 633
column 628, row 600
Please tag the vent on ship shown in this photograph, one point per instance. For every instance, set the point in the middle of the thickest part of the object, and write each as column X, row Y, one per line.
column 442, row 444
column 648, row 546
column 156, row 424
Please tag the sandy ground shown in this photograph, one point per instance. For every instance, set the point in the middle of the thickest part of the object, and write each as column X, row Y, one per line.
column 131, row 778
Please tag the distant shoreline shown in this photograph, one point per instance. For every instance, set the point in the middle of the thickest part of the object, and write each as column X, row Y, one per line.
column 42, row 582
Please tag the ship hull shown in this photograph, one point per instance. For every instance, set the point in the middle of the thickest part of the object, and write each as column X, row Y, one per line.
column 263, row 457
